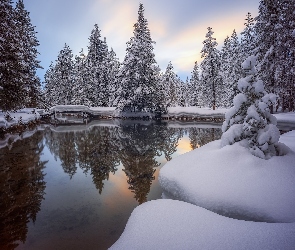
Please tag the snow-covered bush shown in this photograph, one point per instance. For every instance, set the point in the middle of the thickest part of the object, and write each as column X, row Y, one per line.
column 250, row 120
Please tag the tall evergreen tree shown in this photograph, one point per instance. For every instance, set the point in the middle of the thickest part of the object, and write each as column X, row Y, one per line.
column 226, row 69
column 211, row 79
column 231, row 68
column 59, row 79
column 138, row 76
column 236, row 70
column 51, row 90
column 64, row 72
column 194, row 89
column 285, row 73
column 248, row 38
column 12, row 91
column 182, row 90
column 170, row 87
column 95, row 75
column 273, row 50
column 112, row 70
column 19, row 85
column 80, row 86
column 28, row 55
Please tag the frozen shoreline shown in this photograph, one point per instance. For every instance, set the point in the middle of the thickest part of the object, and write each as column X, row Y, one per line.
column 229, row 179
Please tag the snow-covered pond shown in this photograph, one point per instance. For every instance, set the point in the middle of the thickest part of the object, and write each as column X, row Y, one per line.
column 74, row 187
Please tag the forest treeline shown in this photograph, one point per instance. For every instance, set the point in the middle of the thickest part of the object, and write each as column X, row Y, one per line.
column 97, row 78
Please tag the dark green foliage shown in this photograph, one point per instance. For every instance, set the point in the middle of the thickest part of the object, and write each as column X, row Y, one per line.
column 19, row 85
column 138, row 75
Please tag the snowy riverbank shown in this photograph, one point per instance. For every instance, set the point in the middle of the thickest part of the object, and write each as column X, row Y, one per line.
column 230, row 181
column 286, row 120
column 23, row 116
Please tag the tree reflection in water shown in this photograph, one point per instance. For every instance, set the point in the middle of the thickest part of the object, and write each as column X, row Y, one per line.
column 98, row 153
column 99, row 150
column 140, row 145
column 201, row 136
column 21, row 188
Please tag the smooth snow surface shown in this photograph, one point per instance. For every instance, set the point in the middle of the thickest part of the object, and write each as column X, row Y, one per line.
column 170, row 224
column 82, row 108
column 233, row 182
column 195, row 111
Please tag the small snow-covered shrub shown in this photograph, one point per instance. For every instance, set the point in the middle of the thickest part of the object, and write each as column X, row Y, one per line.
column 250, row 120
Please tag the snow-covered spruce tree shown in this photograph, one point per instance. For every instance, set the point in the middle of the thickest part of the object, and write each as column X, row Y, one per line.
column 226, row 70
column 97, row 93
column 59, row 79
column 248, row 38
column 250, row 120
column 112, row 70
column 267, row 27
column 51, row 89
column 28, row 53
column 64, row 73
column 137, row 75
column 230, row 67
column 187, row 92
column 274, row 27
column 80, row 86
column 159, row 99
column 211, row 79
column 235, row 71
column 12, row 94
column 170, row 86
column 194, row 87
column 286, row 57
column 104, row 70
column 182, row 90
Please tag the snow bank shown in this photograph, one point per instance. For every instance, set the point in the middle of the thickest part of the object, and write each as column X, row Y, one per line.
column 233, row 182
column 169, row 224
column 194, row 111
column 230, row 181
column 26, row 115
column 82, row 108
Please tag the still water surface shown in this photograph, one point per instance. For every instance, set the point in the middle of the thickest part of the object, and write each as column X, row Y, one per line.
column 74, row 187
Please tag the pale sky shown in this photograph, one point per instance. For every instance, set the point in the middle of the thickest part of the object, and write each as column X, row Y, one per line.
column 177, row 26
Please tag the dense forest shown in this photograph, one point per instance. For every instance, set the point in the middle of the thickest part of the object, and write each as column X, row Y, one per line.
column 98, row 78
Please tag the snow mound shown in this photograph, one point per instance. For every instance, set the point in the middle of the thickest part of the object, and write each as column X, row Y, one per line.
column 169, row 224
column 233, row 182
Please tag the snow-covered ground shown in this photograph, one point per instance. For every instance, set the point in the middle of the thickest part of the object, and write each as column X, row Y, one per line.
column 81, row 108
column 230, row 181
column 195, row 111
column 172, row 111
column 27, row 115
column 170, row 224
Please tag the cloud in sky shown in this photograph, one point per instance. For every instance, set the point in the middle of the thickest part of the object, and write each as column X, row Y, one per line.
column 177, row 27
